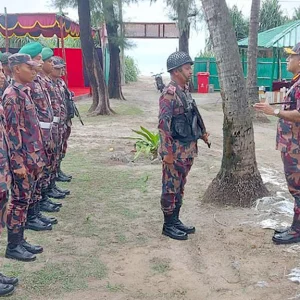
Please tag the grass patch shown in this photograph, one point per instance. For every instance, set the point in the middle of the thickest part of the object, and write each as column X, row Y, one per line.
column 160, row 265
column 115, row 287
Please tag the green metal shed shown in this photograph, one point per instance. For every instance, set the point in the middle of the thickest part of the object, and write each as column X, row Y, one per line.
column 275, row 39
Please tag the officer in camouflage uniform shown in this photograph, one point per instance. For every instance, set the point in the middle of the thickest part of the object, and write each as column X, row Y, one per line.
column 288, row 143
column 27, row 156
column 178, row 146
column 35, row 220
column 6, row 283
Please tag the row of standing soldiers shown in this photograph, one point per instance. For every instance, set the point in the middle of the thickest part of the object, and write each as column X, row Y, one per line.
column 35, row 125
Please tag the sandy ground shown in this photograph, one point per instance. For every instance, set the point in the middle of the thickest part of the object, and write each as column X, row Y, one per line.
column 230, row 257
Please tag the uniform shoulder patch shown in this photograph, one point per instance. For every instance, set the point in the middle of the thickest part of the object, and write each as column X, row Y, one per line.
column 171, row 90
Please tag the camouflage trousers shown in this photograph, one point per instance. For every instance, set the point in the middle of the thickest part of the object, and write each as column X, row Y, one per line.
column 66, row 136
column 291, row 164
column 45, row 176
column 22, row 190
column 3, row 209
column 174, row 178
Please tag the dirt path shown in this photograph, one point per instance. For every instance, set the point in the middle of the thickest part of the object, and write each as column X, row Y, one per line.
column 108, row 243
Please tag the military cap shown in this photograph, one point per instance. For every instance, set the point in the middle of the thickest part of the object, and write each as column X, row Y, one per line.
column 4, row 57
column 294, row 50
column 33, row 49
column 47, row 53
column 19, row 58
column 178, row 59
column 58, row 62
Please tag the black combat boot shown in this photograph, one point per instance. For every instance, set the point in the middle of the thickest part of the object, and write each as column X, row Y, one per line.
column 6, row 289
column 61, row 174
column 48, row 207
column 8, row 280
column 60, row 190
column 35, row 249
column 179, row 225
column 53, row 193
column 46, row 198
column 33, row 222
column 291, row 234
column 15, row 248
column 43, row 218
column 170, row 230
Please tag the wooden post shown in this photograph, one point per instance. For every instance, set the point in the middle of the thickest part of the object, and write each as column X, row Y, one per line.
column 61, row 25
column 273, row 68
column 6, row 31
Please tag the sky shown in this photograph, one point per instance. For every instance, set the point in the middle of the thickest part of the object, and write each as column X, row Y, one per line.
column 150, row 55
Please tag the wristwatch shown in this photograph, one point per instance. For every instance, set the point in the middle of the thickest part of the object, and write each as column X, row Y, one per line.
column 276, row 112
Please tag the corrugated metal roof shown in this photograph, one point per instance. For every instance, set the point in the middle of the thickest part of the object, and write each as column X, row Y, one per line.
column 287, row 35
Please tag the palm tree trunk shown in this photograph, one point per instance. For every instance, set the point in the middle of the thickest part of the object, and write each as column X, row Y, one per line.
column 114, row 82
column 252, row 53
column 252, row 62
column 95, row 74
column 238, row 182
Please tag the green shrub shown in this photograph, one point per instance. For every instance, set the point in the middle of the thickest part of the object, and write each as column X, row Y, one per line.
column 131, row 70
column 146, row 143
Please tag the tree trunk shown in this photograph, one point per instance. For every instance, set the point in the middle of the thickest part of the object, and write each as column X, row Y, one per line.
column 184, row 40
column 252, row 53
column 238, row 182
column 114, row 82
column 100, row 105
column 252, row 62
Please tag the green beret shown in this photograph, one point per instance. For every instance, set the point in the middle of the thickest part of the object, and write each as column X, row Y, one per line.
column 4, row 57
column 33, row 49
column 47, row 53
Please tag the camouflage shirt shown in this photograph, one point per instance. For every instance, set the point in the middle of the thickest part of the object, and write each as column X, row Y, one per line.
column 60, row 92
column 41, row 99
column 171, row 105
column 23, row 130
column 288, row 133
column 5, row 175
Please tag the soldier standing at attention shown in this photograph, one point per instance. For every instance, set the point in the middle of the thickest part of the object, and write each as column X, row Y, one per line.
column 288, row 143
column 178, row 146
column 6, row 70
column 61, row 176
column 47, row 56
column 35, row 219
column 6, row 283
column 27, row 156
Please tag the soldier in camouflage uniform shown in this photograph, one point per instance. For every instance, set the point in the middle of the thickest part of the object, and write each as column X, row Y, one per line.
column 6, row 70
column 61, row 176
column 288, row 143
column 35, row 219
column 47, row 56
column 6, row 283
column 178, row 146
column 62, row 127
column 27, row 156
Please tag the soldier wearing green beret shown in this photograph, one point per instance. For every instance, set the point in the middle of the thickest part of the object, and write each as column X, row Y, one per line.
column 27, row 155
column 40, row 96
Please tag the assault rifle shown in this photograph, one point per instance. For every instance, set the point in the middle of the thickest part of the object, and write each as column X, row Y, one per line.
column 71, row 106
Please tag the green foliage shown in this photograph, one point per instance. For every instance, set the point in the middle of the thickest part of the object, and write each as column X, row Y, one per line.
column 271, row 15
column 147, row 143
column 240, row 23
column 296, row 15
column 206, row 53
column 131, row 70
